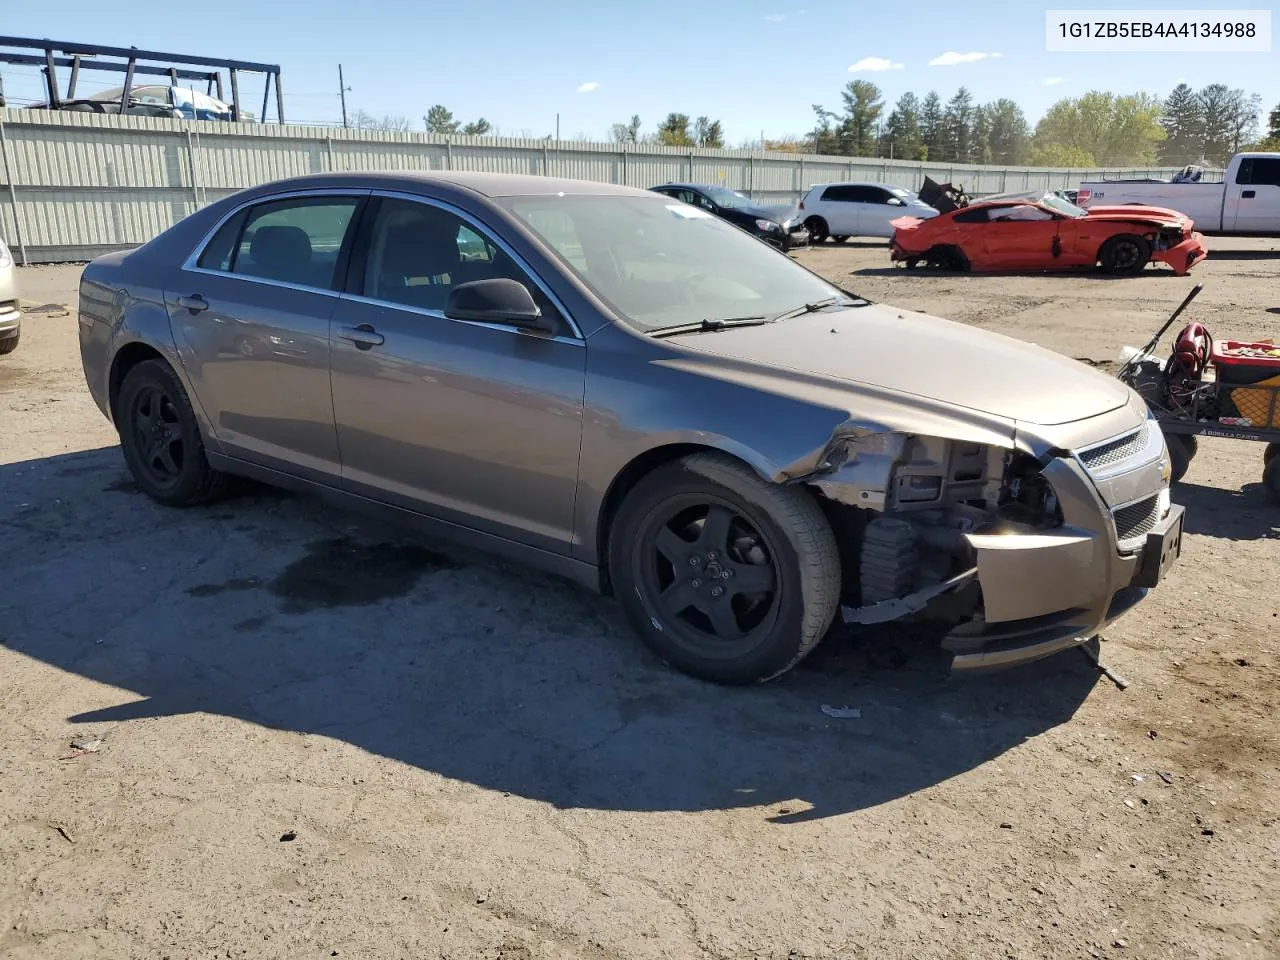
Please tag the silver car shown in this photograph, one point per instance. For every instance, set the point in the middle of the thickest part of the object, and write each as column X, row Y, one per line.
column 10, row 316
column 625, row 390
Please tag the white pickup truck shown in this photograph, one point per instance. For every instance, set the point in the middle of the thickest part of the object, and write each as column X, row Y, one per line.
column 1246, row 203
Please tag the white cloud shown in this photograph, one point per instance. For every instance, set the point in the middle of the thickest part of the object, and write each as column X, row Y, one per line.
column 588, row 86
column 951, row 58
column 873, row 65
column 1052, row 81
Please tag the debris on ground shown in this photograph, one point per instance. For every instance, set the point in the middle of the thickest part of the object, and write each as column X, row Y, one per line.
column 82, row 745
column 288, row 836
column 1089, row 651
column 1167, row 777
column 842, row 713
column 64, row 833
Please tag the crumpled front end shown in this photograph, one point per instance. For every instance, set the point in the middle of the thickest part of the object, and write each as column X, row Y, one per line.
column 1183, row 255
column 1024, row 555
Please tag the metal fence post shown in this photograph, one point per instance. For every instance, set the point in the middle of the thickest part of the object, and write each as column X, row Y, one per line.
column 13, row 196
column 448, row 158
column 328, row 142
column 546, row 162
column 195, row 177
column 625, row 181
column 751, row 176
column 691, row 173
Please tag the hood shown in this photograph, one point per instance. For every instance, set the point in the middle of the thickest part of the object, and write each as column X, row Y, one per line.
column 914, row 354
column 764, row 213
column 1161, row 215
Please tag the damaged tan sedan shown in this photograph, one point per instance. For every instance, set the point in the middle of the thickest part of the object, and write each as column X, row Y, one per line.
column 627, row 391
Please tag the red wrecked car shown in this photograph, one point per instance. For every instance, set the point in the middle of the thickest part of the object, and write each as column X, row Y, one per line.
column 1042, row 231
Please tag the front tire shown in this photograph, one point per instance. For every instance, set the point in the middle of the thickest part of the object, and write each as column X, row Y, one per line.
column 1272, row 451
column 161, row 439
column 9, row 345
column 1125, row 255
column 725, row 576
column 817, row 228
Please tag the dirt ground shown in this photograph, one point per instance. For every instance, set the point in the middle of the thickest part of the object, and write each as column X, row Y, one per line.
column 316, row 740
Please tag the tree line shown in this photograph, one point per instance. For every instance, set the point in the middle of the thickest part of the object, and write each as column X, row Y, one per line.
column 1096, row 129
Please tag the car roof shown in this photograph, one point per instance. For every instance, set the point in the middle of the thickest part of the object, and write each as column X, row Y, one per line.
column 859, row 183
column 486, row 184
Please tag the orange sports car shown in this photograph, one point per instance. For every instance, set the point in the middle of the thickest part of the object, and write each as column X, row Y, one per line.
column 1044, row 231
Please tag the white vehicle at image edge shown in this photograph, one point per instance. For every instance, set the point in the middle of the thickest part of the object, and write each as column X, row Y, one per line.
column 1246, row 203
column 10, row 319
column 843, row 210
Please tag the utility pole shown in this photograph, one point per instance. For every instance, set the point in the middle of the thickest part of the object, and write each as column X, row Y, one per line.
column 342, row 92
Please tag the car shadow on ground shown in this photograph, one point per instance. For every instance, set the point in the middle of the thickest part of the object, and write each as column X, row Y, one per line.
column 283, row 612
column 1244, row 254
column 1244, row 514
column 1072, row 275
column 864, row 244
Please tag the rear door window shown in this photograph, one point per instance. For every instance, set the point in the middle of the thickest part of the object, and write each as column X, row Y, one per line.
column 296, row 241
column 1260, row 171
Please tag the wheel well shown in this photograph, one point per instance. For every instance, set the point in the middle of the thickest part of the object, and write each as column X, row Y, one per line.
column 622, row 484
column 130, row 356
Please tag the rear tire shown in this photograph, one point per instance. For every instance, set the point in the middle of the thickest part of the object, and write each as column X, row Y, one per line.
column 10, row 345
column 1272, row 451
column 161, row 440
column 725, row 576
column 1125, row 255
column 817, row 228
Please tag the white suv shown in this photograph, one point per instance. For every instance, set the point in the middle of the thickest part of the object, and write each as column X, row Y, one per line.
column 843, row 210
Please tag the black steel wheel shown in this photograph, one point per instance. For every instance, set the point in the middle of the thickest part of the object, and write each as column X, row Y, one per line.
column 161, row 439
column 1125, row 254
column 817, row 228
column 725, row 576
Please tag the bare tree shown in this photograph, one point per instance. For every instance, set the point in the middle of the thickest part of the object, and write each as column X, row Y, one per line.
column 387, row 123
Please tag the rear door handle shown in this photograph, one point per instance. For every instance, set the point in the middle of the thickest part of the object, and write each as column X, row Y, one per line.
column 195, row 303
column 363, row 336
column 1249, row 194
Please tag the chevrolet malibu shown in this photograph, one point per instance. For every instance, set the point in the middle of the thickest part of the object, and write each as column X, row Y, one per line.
column 625, row 390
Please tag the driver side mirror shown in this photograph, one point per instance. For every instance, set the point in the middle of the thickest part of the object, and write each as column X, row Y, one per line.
column 497, row 300
column 897, row 202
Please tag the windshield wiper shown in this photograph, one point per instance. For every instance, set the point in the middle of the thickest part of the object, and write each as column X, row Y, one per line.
column 817, row 305
column 709, row 325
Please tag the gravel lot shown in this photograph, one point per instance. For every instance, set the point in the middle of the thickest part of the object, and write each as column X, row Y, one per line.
column 317, row 740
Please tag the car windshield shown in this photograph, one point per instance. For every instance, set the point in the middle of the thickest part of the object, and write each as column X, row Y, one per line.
column 729, row 199
column 1055, row 202
column 661, row 263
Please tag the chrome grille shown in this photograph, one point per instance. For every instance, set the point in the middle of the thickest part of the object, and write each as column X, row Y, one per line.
column 1114, row 451
column 1137, row 519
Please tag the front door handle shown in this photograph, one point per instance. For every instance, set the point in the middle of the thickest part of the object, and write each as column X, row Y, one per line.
column 1249, row 194
column 363, row 336
column 195, row 303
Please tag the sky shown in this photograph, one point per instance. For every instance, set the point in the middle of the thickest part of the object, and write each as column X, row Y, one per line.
column 756, row 65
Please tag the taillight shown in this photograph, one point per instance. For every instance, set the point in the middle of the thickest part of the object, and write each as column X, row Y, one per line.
column 1082, row 196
